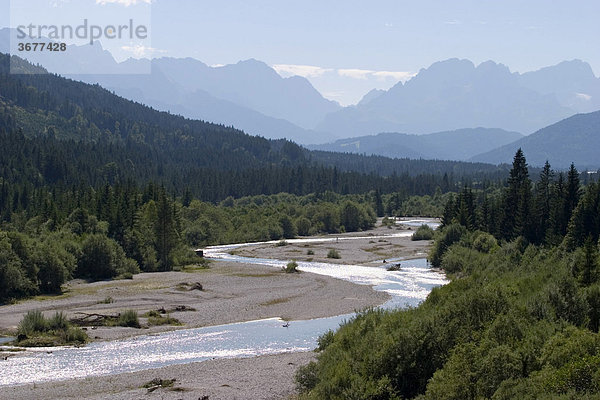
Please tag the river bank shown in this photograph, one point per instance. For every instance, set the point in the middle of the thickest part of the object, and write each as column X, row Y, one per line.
column 264, row 377
column 232, row 292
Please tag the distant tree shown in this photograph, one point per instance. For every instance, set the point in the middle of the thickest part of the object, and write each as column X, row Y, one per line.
column 517, row 201
column 379, row 209
column 543, row 203
column 165, row 231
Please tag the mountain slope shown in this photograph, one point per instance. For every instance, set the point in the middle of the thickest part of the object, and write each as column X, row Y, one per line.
column 451, row 94
column 249, row 95
column 575, row 139
column 461, row 144
column 572, row 82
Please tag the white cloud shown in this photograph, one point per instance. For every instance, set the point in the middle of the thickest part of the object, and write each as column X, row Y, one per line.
column 307, row 71
column 397, row 75
column 365, row 74
column 125, row 3
column 141, row 51
column 583, row 96
column 453, row 22
column 355, row 73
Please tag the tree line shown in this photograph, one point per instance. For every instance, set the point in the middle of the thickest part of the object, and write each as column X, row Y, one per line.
column 520, row 318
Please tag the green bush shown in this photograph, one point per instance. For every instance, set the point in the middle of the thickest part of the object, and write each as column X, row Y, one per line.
column 33, row 322
column 58, row 321
column 103, row 258
column 291, row 267
column 449, row 235
column 163, row 320
column 128, row 318
column 485, row 243
column 423, row 233
column 310, row 252
column 333, row 253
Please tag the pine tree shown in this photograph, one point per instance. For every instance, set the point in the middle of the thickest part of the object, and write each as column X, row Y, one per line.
column 166, row 234
column 379, row 204
column 543, row 198
column 517, row 201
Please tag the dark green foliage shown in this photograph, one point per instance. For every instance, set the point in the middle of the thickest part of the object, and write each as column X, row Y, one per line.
column 517, row 201
column 448, row 236
column 481, row 336
column 291, row 267
column 423, row 233
column 103, row 258
column 333, row 253
column 128, row 318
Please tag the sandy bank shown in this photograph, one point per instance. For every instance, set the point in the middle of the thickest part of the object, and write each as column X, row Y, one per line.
column 231, row 292
column 266, row 377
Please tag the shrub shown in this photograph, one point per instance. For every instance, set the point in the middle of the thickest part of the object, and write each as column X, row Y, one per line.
column 423, row 233
column 160, row 320
column 128, row 318
column 307, row 377
column 450, row 235
column 325, row 340
column 291, row 267
column 33, row 322
column 103, row 258
column 333, row 253
column 58, row 321
column 310, row 253
column 485, row 243
column 74, row 335
column 281, row 243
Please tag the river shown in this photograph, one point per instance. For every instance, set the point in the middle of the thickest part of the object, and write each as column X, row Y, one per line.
column 407, row 287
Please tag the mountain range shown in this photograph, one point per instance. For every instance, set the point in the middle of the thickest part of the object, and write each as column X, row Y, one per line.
column 573, row 140
column 451, row 97
column 455, row 94
column 440, row 146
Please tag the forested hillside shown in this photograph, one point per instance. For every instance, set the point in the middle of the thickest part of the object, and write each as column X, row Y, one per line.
column 95, row 186
column 519, row 320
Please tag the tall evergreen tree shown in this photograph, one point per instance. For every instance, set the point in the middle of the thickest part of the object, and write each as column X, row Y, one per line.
column 543, row 199
column 517, row 201
column 166, row 234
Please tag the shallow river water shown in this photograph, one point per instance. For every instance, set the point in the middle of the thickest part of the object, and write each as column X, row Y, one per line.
column 407, row 287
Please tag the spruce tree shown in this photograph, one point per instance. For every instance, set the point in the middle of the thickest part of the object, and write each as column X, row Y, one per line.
column 517, row 201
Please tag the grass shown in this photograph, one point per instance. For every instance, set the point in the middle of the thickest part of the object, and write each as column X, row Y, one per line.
column 275, row 301
column 333, row 253
column 156, row 382
column 281, row 243
column 107, row 300
column 128, row 318
column 35, row 330
column 157, row 320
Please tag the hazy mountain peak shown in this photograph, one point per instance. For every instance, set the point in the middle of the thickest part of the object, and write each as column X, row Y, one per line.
column 372, row 95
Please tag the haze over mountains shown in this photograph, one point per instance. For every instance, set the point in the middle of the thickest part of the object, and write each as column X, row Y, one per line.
column 573, row 140
column 455, row 94
column 473, row 109
column 440, row 145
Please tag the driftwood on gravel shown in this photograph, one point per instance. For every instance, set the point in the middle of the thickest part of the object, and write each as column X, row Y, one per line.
column 92, row 319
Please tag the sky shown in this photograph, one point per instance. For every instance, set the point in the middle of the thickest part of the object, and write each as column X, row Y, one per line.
column 345, row 48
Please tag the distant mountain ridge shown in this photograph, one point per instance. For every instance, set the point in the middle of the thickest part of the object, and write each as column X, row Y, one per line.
column 249, row 95
column 456, row 94
column 572, row 140
column 449, row 95
column 458, row 145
